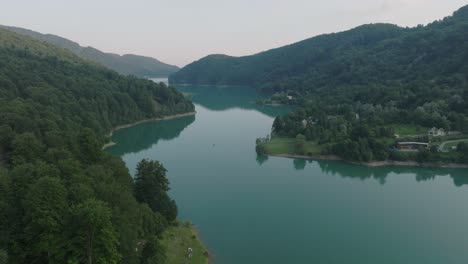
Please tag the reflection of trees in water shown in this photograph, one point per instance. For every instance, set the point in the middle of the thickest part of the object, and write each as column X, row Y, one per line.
column 220, row 98
column 459, row 177
column 261, row 159
column 299, row 164
column 345, row 170
column 143, row 136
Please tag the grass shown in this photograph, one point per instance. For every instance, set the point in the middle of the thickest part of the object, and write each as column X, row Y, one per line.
column 178, row 239
column 409, row 130
column 388, row 141
column 282, row 145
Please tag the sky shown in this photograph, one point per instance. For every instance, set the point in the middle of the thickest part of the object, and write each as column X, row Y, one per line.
column 181, row 31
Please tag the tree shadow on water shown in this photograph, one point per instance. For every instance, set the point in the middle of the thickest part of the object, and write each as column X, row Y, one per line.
column 347, row 170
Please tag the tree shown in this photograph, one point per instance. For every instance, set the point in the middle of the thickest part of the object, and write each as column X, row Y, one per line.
column 26, row 148
column 6, row 137
column 89, row 146
column 45, row 207
column 5, row 207
column 54, row 110
column 3, row 256
column 93, row 238
column 462, row 149
column 153, row 224
column 153, row 252
column 151, row 186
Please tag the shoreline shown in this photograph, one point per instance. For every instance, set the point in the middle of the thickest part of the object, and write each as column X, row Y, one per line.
column 271, row 104
column 373, row 164
column 169, row 117
column 178, row 238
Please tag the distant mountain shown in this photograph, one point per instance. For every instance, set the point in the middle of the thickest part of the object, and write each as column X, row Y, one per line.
column 127, row 64
column 369, row 54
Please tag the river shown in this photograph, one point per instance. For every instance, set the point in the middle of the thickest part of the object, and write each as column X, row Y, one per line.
column 251, row 209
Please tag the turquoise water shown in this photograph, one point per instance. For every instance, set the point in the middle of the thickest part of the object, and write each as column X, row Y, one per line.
column 251, row 209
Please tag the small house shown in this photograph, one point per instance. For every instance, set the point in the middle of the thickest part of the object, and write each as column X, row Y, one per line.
column 435, row 132
column 310, row 121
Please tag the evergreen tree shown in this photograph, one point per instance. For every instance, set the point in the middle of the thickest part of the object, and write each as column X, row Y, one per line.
column 151, row 186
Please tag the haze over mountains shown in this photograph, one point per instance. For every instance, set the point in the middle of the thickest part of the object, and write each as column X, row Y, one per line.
column 374, row 53
column 127, row 64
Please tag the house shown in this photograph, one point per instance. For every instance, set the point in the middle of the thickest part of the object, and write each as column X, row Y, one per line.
column 412, row 146
column 434, row 132
column 310, row 121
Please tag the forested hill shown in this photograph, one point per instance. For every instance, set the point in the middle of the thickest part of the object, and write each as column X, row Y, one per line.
column 369, row 54
column 128, row 64
column 63, row 200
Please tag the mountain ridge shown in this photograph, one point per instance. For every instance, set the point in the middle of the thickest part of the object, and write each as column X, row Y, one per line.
column 127, row 64
column 331, row 59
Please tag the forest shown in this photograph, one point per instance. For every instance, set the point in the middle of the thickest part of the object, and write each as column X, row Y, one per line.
column 353, row 88
column 62, row 199
column 369, row 132
column 128, row 64
column 424, row 85
column 374, row 55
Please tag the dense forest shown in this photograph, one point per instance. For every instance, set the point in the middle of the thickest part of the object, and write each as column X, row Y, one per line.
column 127, row 64
column 357, row 88
column 422, row 84
column 379, row 55
column 62, row 199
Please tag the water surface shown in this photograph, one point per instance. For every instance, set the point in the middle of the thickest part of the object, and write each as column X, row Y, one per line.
column 252, row 209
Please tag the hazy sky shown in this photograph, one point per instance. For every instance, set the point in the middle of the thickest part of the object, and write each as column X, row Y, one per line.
column 181, row 31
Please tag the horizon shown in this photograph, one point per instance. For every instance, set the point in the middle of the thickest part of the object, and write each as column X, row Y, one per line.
column 210, row 27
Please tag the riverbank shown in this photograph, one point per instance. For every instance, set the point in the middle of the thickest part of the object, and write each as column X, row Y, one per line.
column 111, row 143
column 178, row 240
column 373, row 163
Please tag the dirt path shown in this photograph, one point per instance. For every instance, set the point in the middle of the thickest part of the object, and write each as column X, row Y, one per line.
column 442, row 146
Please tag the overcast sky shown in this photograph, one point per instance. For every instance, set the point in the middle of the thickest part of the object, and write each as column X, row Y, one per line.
column 181, row 31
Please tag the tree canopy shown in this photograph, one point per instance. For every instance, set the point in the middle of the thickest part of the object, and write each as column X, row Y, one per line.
column 62, row 199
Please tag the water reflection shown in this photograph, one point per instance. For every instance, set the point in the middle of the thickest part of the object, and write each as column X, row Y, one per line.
column 221, row 98
column 261, row 159
column 143, row 136
column 299, row 164
column 346, row 170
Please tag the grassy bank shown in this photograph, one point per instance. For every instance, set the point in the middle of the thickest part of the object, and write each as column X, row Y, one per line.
column 287, row 148
column 279, row 145
column 178, row 239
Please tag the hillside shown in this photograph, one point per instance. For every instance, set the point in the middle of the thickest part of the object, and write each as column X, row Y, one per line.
column 370, row 100
column 375, row 53
column 358, row 90
column 63, row 200
column 126, row 64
